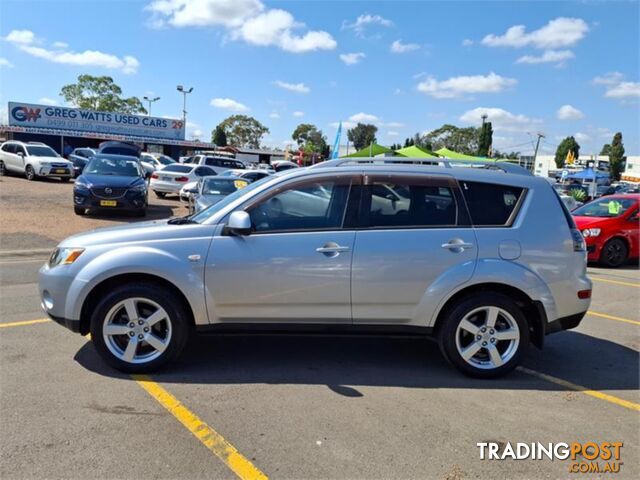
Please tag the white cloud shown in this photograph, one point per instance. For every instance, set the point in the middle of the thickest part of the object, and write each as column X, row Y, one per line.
column 60, row 45
column 274, row 115
column 346, row 125
column 365, row 20
column 568, row 112
column 548, row 56
column 352, row 58
column 617, row 87
column 293, row 87
column 25, row 41
column 22, row 37
column 197, row 133
column 398, row 47
column 228, row 104
column 467, row 42
column 364, row 118
column 456, row 87
column 559, row 32
column 500, row 119
column 392, row 133
column 298, row 114
column 394, row 125
column 48, row 101
column 4, row 63
column 582, row 137
column 246, row 20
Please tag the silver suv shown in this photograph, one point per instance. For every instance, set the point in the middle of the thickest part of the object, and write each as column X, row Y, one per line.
column 486, row 260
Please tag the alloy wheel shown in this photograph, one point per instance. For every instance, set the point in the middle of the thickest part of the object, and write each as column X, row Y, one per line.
column 137, row 330
column 487, row 337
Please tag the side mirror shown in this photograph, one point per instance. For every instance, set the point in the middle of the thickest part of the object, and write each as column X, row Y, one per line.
column 239, row 223
column 191, row 190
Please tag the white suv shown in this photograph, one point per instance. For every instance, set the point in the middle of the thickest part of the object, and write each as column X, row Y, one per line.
column 33, row 160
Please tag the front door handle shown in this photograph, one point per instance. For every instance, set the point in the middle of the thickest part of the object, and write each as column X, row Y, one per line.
column 457, row 245
column 332, row 249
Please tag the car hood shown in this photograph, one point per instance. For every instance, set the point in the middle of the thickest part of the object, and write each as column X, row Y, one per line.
column 109, row 180
column 589, row 222
column 137, row 234
column 53, row 160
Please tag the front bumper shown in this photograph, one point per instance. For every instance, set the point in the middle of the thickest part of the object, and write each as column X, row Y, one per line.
column 53, row 287
column 131, row 200
column 73, row 325
column 62, row 172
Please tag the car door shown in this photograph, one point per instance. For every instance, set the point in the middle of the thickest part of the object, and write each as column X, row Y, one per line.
column 20, row 158
column 414, row 237
column 9, row 156
column 295, row 265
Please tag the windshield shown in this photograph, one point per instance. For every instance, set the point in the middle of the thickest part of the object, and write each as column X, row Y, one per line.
column 111, row 166
column 207, row 213
column 163, row 159
column 41, row 151
column 218, row 186
column 605, row 207
column 178, row 168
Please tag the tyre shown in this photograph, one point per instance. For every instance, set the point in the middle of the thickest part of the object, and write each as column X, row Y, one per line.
column 3, row 169
column 79, row 210
column 484, row 335
column 160, row 194
column 30, row 173
column 64, row 179
column 139, row 327
column 614, row 253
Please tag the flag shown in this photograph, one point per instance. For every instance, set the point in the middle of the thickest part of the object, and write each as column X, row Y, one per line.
column 336, row 144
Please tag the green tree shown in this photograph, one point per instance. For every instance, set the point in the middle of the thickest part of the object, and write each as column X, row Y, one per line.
column 566, row 145
column 243, row 131
column 606, row 150
column 485, row 139
column 616, row 157
column 311, row 139
column 102, row 94
column 461, row 140
column 362, row 135
column 219, row 137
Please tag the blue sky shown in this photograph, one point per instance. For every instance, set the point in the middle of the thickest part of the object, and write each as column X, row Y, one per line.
column 562, row 68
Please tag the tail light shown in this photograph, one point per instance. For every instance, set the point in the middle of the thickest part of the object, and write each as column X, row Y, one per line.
column 584, row 294
column 182, row 179
column 579, row 244
column 154, row 175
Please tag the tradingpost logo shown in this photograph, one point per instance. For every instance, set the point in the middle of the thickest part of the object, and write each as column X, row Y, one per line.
column 25, row 114
column 585, row 457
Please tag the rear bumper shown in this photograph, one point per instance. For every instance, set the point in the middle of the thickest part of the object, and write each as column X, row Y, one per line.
column 166, row 187
column 564, row 323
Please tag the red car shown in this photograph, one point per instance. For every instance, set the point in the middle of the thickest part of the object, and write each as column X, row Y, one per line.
column 610, row 228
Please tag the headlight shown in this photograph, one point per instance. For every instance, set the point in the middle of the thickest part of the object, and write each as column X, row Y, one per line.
column 81, row 184
column 45, row 164
column 591, row 232
column 64, row 256
column 139, row 188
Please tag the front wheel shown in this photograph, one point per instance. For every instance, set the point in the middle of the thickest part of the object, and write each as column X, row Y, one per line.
column 3, row 169
column 160, row 194
column 30, row 173
column 614, row 253
column 79, row 210
column 484, row 335
column 139, row 327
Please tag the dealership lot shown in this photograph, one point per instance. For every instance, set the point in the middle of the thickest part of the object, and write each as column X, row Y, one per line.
column 293, row 406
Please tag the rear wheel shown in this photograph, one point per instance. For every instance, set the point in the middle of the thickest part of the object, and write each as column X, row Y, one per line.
column 139, row 327
column 30, row 173
column 160, row 194
column 614, row 253
column 484, row 335
column 3, row 169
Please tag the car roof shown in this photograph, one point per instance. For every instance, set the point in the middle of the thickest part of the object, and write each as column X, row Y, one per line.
column 113, row 156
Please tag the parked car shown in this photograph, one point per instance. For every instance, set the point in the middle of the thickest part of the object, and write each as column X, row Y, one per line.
column 218, row 163
column 33, row 160
column 172, row 178
column 251, row 175
column 280, row 165
column 157, row 160
column 210, row 190
column 485, row 260
column 80, row 157
column 111, row 182
column 610, row 228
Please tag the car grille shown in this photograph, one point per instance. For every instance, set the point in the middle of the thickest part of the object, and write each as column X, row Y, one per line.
column 109, row 192
column 59, row 165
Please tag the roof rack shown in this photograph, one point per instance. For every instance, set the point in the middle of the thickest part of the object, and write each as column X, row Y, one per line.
column 505, row 167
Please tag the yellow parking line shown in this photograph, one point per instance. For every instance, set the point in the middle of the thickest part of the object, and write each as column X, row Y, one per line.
column 616, row 282
column 612, row 317
column 579, row 388
column 211, row 439
column 23, row 323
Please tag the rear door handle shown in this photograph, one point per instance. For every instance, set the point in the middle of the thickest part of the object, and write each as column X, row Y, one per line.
column 457, row 245
column 332, row 249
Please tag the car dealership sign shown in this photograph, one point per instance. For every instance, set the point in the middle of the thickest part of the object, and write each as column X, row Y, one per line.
column 79, row 119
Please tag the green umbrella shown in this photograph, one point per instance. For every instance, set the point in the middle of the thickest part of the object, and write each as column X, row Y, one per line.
column 415, row 152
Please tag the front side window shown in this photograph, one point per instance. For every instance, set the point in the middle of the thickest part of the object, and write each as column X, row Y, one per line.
column 491, row 205
column 318, row 205
column 409, row 204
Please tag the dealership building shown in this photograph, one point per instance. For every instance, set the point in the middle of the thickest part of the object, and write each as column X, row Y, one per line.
column 59, row 126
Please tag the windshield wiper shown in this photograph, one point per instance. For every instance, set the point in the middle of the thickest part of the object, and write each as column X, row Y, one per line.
column 181, row 220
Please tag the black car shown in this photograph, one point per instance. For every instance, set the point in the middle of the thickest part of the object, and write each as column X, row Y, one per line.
column 111, row 182
column 80, row 157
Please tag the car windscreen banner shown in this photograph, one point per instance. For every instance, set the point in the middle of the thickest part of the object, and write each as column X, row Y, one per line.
column 79, row 119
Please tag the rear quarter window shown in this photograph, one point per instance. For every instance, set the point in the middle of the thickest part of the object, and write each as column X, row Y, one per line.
column 490, row 204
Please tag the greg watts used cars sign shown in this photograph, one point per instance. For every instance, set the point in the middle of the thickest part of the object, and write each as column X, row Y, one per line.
column 78, row 119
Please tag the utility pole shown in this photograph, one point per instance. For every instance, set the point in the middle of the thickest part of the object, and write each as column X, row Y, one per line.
column 150, row 100
column 535, row 152
column 184, row 92
column 484, row 118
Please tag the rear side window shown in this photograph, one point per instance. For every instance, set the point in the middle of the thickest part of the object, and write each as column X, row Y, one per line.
column 491, row 205
column 9, row 148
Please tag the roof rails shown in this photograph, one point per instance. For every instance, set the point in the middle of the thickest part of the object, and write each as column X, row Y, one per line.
column 36, row 143
column 505, row 167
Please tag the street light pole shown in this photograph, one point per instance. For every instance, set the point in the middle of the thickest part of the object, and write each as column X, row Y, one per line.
column 184, row 92
column 150, row 100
